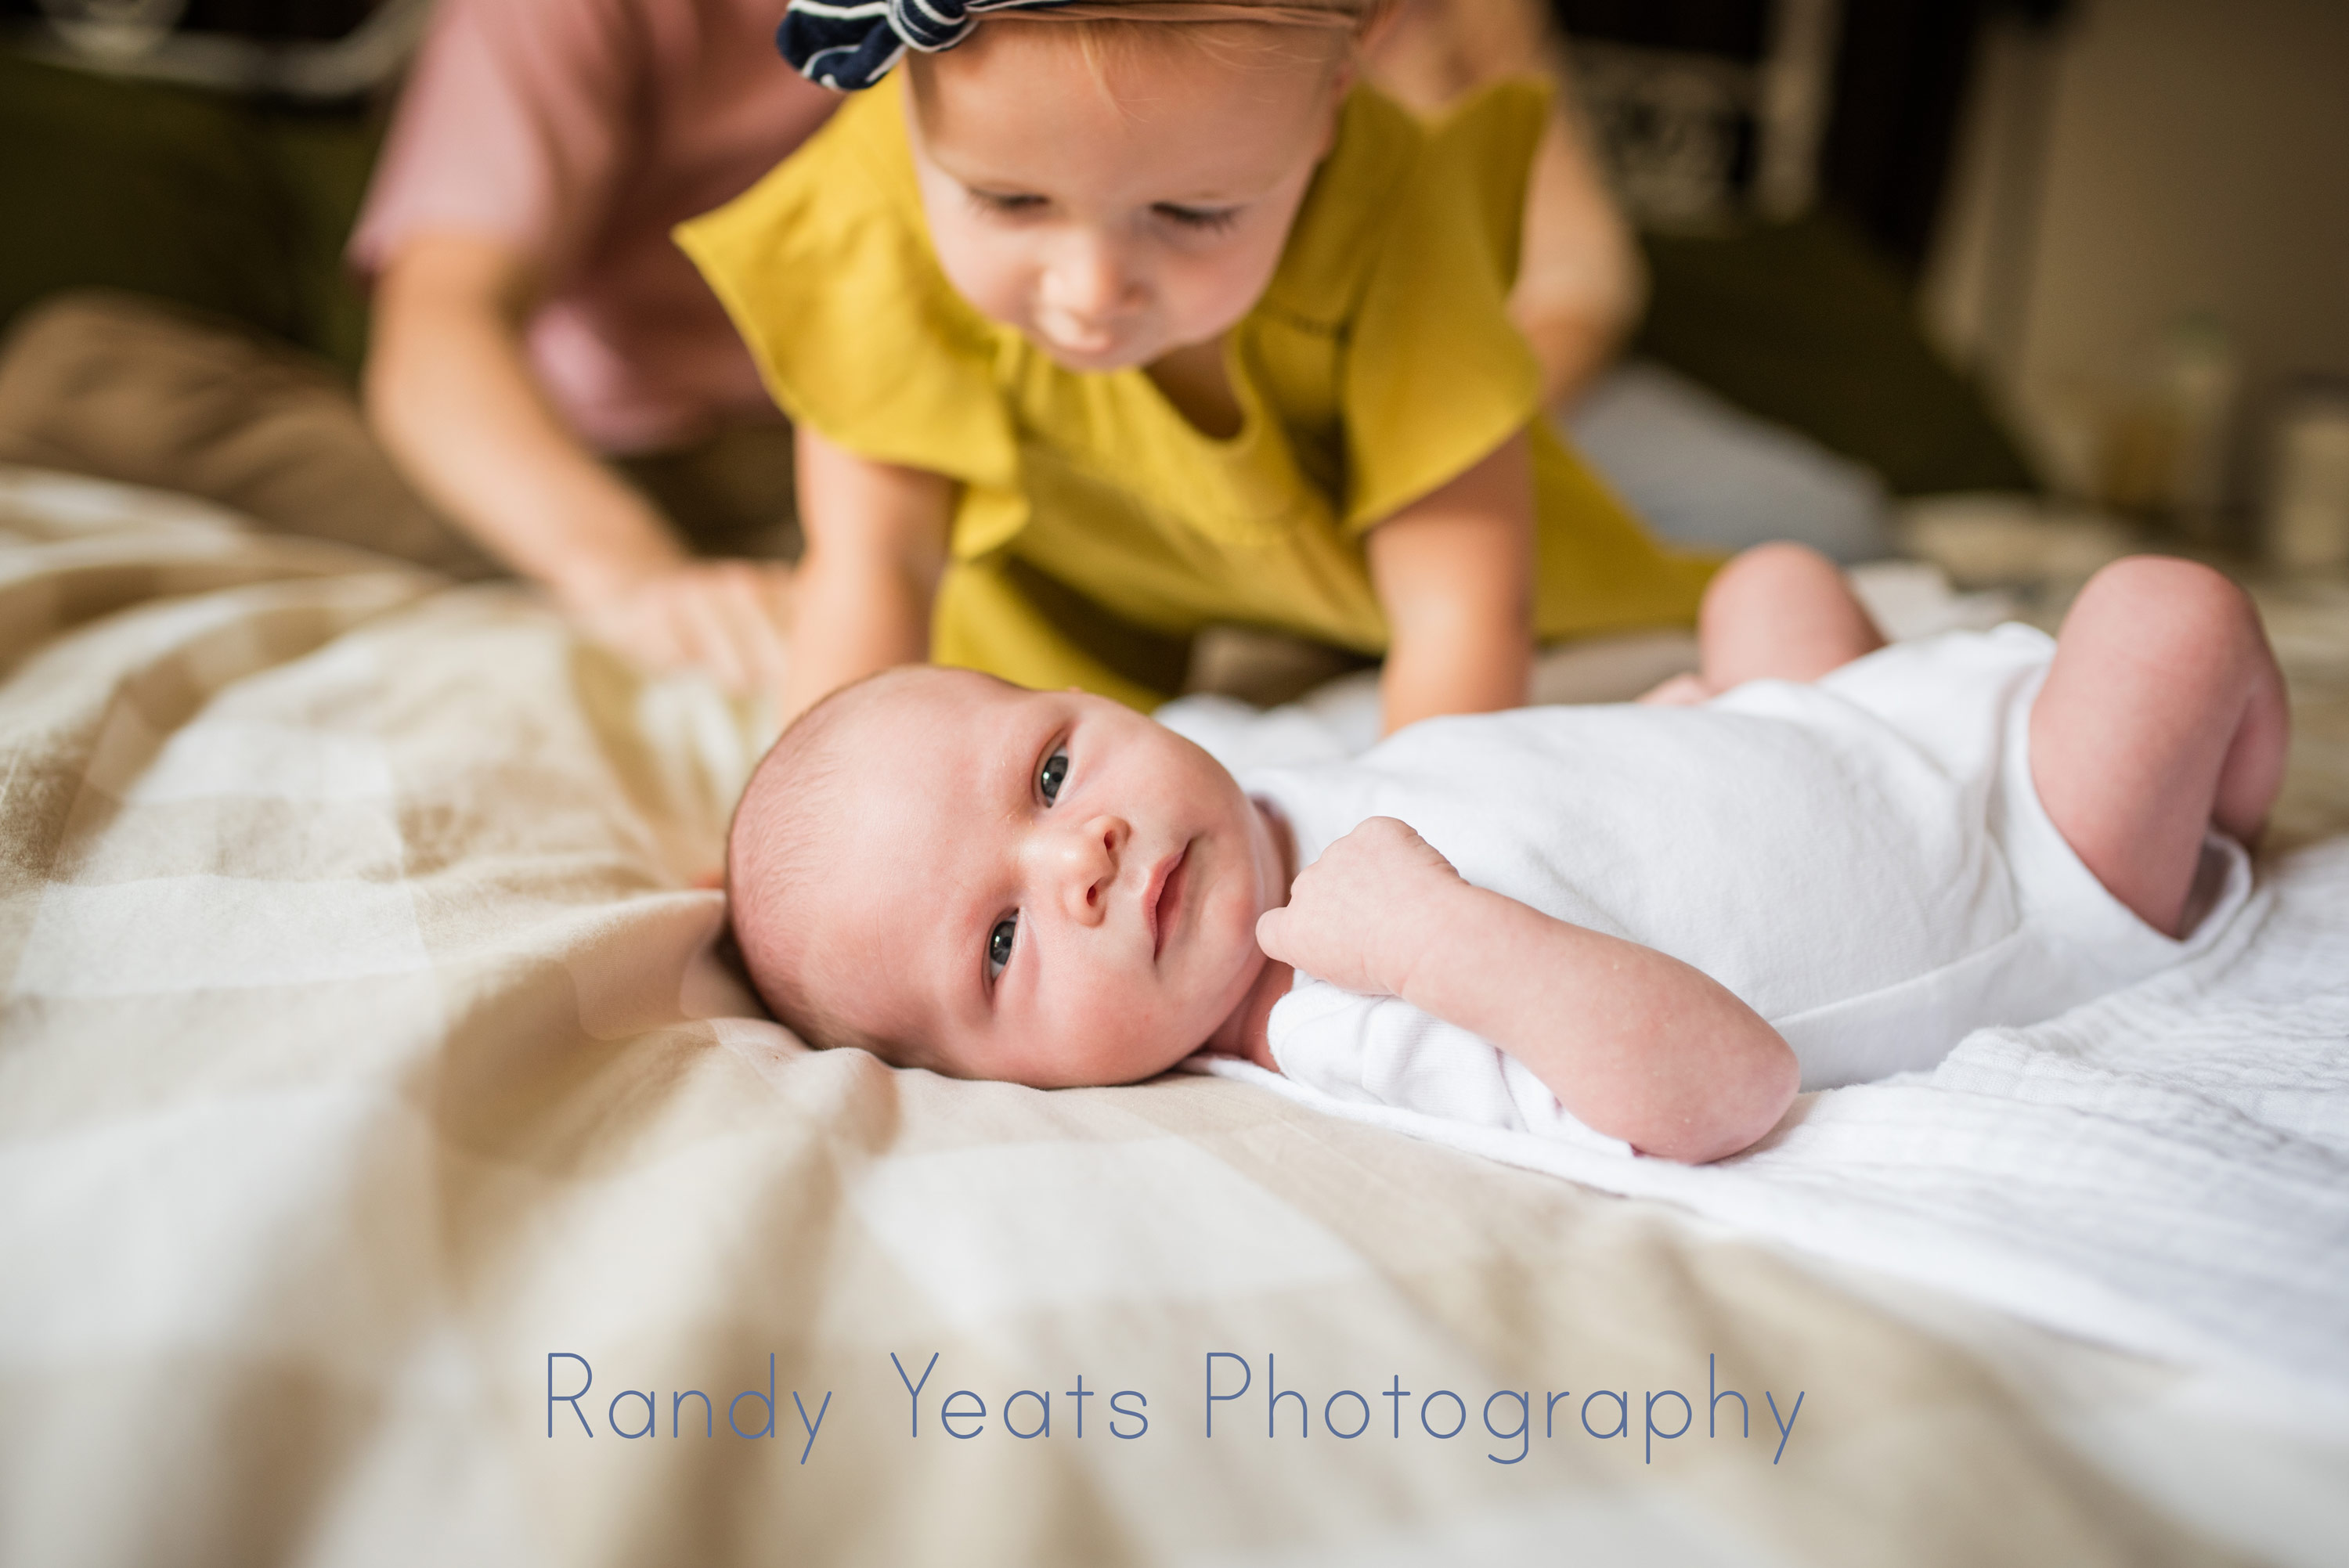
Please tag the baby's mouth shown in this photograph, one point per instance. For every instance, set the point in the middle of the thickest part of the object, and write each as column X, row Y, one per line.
column 1162, row 900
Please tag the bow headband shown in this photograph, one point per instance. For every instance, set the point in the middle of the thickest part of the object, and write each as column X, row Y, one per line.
column 850, row 45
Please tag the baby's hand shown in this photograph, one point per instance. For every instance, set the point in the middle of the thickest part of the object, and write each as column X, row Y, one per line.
column 1357, row 916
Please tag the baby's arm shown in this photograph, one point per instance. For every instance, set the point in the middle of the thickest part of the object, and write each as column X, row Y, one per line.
column 1632, row 1042
column 876, row 547
column 1454, row 572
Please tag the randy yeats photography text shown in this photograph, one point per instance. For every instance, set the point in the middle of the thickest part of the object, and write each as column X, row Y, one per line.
column 1237, row 1399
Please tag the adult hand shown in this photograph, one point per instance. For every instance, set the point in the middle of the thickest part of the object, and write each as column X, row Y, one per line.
column 456, row 400
column 729, row 618
column 1362, row 914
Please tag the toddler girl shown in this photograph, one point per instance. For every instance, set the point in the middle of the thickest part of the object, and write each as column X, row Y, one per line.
column 1103, row 323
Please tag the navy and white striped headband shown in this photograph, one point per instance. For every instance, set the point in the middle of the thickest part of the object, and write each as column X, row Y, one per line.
column 849, row 44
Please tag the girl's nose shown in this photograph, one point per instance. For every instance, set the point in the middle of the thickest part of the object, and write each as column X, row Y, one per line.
column 1086, row 279
column 1082, row 864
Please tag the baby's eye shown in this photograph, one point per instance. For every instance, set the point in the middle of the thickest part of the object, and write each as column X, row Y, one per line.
column 1207, row 220
column 998, row 945
column 1054, row 774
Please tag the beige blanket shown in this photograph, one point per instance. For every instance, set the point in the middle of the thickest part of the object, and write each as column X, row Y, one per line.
column 368, row 1088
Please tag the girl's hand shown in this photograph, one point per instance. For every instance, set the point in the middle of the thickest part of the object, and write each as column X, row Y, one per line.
column 1360, row 915
column 728, row 618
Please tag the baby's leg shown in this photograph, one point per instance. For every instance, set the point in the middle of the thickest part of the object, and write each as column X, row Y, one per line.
column 1776, row 611
column 1783, row 611
column 2162, row 713
column 1780, row 611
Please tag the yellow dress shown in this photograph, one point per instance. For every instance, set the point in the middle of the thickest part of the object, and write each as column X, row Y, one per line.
column 1097, row 527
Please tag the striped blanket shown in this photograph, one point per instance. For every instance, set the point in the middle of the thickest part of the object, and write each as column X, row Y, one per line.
column 393, row 1170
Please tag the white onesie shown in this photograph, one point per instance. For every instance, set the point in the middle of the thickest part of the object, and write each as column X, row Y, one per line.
column 1863, row 861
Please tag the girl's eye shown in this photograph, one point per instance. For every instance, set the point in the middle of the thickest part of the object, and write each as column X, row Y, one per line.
column 1005, row 204
column 1055, row 773
column 998, row 945
column 1207, row 220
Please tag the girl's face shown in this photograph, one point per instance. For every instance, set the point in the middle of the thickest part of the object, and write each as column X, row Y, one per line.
column 1117, row 210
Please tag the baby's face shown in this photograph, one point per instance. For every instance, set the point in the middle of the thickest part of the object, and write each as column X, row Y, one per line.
column 1043, row 887
column 1115, row 214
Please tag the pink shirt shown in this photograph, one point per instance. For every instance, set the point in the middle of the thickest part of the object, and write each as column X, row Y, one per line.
column 582, row 130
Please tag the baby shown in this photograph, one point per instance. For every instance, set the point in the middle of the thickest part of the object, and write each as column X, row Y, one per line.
column 1818, row 861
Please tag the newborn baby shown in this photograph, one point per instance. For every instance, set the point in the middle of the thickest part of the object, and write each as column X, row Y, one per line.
column 1813, row 863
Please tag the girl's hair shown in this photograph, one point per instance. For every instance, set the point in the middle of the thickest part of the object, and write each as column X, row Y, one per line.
column 1111, row 33
column 1349, row 15
column 850, row 47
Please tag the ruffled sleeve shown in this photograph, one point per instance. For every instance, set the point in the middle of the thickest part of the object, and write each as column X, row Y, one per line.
column 826, row 268
column 1437, row 376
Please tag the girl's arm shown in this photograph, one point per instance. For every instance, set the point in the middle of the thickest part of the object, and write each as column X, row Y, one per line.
column 454, row 400
column 876, row 548
column 1454, row 572
column 1633, row 1043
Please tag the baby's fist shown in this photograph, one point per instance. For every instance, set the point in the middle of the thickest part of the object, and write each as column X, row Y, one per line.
column 1357, row 916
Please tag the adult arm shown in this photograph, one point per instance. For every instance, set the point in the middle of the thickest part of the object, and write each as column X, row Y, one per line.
column 876, row 549
column 454, row 400
column 1634, row 1043
column 1580, row 283
column 1453, row 573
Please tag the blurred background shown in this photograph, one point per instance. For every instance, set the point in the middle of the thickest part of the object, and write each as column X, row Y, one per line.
column 2126, row 220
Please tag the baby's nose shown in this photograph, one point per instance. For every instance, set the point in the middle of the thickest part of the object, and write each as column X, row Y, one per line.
column 1089, row 855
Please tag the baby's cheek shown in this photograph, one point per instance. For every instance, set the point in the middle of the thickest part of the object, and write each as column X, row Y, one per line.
column 1137, row 1032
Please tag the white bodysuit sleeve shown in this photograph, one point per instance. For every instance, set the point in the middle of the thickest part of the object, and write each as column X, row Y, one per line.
column 1382, row 1050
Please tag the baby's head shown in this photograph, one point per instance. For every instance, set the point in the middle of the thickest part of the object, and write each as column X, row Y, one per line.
column 1118, row 190
column 1044, row 887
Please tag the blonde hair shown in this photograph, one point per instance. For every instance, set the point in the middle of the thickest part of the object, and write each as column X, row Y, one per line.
column 1113, row 32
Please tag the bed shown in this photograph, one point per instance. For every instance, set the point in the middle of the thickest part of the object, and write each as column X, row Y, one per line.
column 385, row 1142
